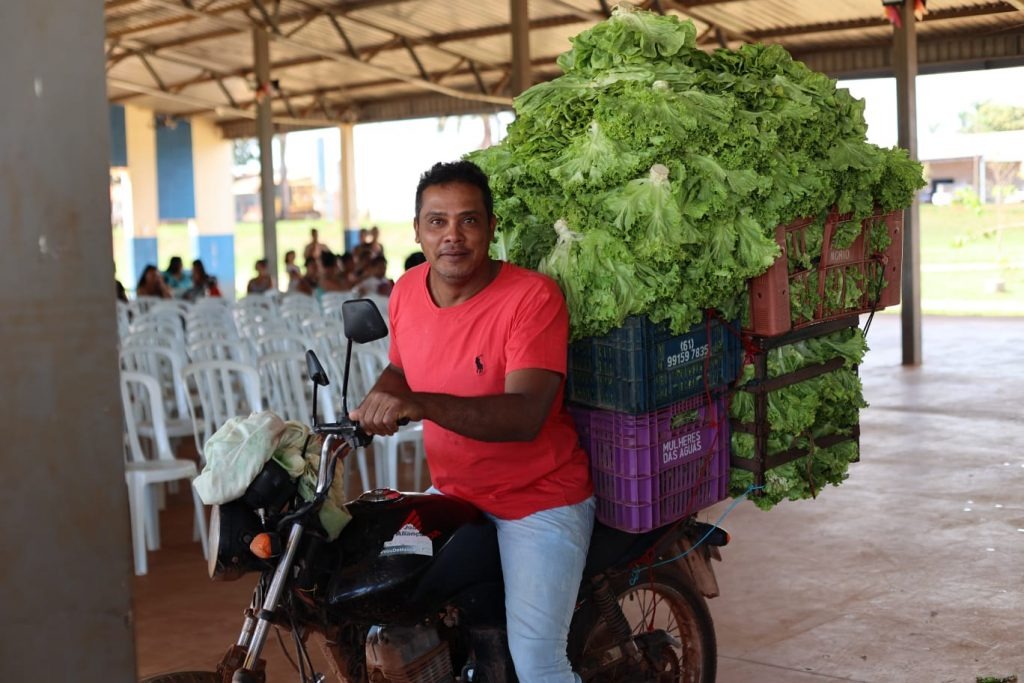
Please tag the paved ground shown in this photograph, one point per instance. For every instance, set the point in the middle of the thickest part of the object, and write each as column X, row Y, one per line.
column 910, row 571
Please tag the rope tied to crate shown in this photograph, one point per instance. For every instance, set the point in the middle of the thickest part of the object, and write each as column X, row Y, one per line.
column 634, row 575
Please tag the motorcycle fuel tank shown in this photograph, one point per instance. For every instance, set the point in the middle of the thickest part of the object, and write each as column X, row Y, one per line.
column 391, row 540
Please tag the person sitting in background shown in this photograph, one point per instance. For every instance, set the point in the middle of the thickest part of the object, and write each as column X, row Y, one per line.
column 294, row 274
column 176, row 278
column 376, row 281
column 262, row 282
column 414, row 259
column 121, row 294
column 151, row 283
column 348, row 268
column 332, row 279
column 360, row 261
column 202, row 284
column 311, row 280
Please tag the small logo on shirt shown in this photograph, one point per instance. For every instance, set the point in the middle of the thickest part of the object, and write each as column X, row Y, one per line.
column 479, row 361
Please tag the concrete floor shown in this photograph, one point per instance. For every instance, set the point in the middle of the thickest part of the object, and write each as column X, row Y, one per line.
column 910, row 571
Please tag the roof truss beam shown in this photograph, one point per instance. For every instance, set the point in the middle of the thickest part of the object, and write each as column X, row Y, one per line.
column 874, row 22
column 346, row 59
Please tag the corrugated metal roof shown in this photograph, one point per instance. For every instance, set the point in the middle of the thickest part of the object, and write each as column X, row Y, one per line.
column 335, row 60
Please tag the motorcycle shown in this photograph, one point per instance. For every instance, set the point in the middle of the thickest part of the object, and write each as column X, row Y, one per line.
column 411, row 590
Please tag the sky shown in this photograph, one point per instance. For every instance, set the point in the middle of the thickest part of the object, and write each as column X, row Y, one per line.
column 391, row 156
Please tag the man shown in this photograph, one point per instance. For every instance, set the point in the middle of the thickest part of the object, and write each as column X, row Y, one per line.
column 309, row 282
column 332, row 278
column 478, row 351
column 314, row 247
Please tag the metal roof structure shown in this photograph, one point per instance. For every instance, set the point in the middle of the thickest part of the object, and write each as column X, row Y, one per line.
column 338, row 61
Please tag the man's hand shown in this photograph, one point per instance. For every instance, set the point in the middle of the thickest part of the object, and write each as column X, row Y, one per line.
column 389, row 401
column 380, row 411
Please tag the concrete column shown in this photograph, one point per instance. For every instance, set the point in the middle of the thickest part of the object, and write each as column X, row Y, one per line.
column 265, row 129
column 65, row 589
column 140, row 140
column 522, row 77
column 349, row 210
column 215, row 206
column 905, row 63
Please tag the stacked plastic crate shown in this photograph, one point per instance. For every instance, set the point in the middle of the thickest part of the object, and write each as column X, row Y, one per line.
column 817, row 286
column 651, row 411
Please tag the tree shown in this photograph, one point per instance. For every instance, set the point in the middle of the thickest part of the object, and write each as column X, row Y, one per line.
column 987, row 117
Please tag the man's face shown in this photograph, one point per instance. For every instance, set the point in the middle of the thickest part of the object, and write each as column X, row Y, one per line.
column 454, row 231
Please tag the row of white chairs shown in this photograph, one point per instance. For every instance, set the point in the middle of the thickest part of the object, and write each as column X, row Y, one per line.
column 202, row 372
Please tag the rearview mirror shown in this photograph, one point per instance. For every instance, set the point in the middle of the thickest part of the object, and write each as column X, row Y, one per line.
column 363, row 322
column 315, row 370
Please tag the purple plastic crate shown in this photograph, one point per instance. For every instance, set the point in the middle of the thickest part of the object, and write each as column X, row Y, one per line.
column 644, row 445
column 684, row 468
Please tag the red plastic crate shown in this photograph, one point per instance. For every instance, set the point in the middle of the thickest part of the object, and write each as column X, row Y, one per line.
column 771, row 310
column 646, row 471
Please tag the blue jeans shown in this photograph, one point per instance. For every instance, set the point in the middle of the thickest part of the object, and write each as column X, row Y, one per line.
column 542, row 559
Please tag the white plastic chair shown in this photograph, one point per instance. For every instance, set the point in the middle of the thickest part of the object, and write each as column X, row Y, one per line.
column 301, row 302
column 220, row 349
column 140, row 304
column 223, row 390
column 164, row 365
column 140, row 398
column 371, row 364
column 280, row 342
column 154, row 339
column 217, row 315
column 331, row 303
column 210, row 329
column 288, row 390
column 166, row 323
column 123, row 319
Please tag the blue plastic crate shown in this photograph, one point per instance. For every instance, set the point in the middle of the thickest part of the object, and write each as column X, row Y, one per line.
column 642, row 366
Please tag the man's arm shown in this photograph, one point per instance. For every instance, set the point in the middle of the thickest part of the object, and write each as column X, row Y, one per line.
column 516, row 415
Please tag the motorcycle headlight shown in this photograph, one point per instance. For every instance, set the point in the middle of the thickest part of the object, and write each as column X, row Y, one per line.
column 232, row 528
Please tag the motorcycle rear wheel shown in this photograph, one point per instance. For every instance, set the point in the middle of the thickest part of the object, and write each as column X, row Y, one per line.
column 663, row 600
column 185, row 677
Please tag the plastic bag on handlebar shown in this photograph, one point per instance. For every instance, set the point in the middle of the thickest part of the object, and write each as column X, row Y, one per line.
column 333, row 515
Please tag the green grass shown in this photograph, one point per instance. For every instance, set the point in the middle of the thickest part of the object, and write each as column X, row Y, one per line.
column 972, row 263
column 963, row 255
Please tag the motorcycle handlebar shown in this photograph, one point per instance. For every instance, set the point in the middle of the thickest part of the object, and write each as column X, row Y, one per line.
column 349, row 431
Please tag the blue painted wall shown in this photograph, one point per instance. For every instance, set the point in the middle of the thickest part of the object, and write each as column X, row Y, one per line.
column 118, row 143
column 143, row 253
column 175, row 183
column 217, row 252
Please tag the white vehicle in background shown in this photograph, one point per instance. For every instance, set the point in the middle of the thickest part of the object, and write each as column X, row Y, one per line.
column 942, row 196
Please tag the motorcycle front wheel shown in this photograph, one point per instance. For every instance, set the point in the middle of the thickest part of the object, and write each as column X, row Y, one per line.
column 185, row 677
column 661, row 599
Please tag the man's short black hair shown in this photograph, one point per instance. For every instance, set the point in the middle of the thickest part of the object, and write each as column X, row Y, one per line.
column 463, row 171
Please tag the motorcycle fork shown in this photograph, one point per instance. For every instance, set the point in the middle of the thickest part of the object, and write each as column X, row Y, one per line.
column 258, row 618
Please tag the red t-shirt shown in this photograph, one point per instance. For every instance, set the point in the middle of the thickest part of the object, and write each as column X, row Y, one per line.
column 519, row 321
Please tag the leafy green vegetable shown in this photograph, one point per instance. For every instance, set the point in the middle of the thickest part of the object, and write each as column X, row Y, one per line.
column 800, row 414
column 682, row 163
